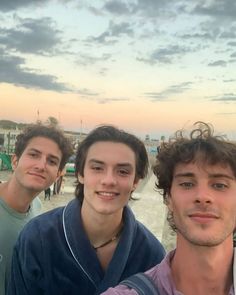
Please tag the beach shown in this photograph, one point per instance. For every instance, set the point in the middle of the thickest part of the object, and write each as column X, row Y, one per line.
column 147, row 205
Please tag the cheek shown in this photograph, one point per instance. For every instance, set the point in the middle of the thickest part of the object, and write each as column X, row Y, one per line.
column 54, row 173
column 128, row 186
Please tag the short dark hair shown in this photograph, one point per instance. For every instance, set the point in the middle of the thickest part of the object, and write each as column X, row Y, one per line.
column 51, row 132
column 201, row 145
column 112, row 134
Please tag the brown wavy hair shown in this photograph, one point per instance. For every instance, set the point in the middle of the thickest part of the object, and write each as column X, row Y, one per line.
column 39, row 130
column 199, row 145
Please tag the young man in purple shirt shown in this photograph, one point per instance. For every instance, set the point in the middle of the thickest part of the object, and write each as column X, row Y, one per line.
column 197, row 177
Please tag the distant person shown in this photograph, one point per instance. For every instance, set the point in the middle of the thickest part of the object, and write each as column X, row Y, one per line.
column 40, row 154
column 197, row 177
column 58, row 183
column 95, row 241
column 47, row 193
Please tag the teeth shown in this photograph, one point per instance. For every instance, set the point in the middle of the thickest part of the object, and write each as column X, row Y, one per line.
column 106, row 194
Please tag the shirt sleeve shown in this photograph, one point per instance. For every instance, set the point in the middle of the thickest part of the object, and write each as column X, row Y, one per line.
column 120, row 290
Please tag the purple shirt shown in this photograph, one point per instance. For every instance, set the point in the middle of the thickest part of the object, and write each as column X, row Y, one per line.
column 161, row 275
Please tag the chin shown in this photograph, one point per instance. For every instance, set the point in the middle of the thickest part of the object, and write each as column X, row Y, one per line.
column 107, row 211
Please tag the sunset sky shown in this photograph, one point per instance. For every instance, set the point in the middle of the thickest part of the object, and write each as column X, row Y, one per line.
column 148, row 66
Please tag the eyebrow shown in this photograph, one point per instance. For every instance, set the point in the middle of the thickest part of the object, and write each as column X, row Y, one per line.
column 118, row 164
column 186, row 174
column 39, row 152
column 212, row 175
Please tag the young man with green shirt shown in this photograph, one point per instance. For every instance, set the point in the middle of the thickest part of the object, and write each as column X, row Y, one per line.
column 40, row 155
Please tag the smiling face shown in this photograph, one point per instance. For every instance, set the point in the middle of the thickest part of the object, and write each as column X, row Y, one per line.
column 203, row 203
column 38, row 166
column 109, row 177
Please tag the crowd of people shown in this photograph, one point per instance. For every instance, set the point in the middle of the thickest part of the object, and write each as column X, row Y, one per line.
column 94, row 244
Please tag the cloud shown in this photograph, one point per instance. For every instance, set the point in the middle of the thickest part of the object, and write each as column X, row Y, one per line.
column 227, row 97
column 154, row 8
column 86, row 60
column 36, row 36
column 228, row 33
column 6, row 5
column 100, row 100
column 200, row 36
column 168, row 92
column 86, row 92
column 229, row 80
column 117, row 7
column 134, row 8
column 12, row 72
column 218, row 63
column 165, row 55
column 113, row 32
column 218, row 9
column 232, row 43
column 110, row 100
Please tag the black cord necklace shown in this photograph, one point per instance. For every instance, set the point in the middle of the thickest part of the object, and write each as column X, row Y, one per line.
column 109, row 241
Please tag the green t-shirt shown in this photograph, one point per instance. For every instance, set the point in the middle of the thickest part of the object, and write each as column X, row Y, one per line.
column 11, row 223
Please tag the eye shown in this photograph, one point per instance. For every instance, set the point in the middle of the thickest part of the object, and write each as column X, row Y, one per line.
column 186, row 185
column 220, row 186
column 32, row 155
column 53, row 162
column 123, row 172
column 96, row 168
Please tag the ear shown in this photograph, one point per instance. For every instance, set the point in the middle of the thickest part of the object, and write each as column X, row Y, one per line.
column 136, row 182
column 14, row 161
column 80, row 178
column 59, row 173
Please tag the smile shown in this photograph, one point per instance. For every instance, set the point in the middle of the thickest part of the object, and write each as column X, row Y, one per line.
column 107, row 195
column 37, row 175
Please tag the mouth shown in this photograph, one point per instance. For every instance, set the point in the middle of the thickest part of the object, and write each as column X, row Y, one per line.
column 203, row 217
column 36, row 175
column 107, row 195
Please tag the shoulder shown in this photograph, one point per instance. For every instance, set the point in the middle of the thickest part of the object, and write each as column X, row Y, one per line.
column 120, row 290
column 43, row 223
column 147, row 235
column 143, row 238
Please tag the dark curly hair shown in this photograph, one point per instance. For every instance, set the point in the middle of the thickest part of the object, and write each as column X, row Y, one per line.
column 113, row 134
column 200, row 145
column 51, row 132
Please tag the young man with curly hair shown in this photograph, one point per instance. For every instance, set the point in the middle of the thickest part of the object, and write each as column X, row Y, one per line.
column 196, row 174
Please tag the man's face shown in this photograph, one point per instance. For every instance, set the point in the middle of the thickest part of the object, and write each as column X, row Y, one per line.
column 109, row 177
column 203, row 202
column 38, row 166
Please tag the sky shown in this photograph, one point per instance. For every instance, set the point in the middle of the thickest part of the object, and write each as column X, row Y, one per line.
column 146, row 66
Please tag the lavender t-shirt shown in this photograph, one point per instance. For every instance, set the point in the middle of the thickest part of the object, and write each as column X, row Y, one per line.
column 161, row 275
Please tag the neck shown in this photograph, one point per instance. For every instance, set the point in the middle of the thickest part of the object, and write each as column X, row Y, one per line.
column 113, row 238
column 101, row 228
column 15, row 196
column 211, row 268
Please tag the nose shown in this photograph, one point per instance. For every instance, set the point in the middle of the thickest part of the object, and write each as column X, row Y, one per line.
column 41, row 163
column 204, row 195
column 108, row 178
